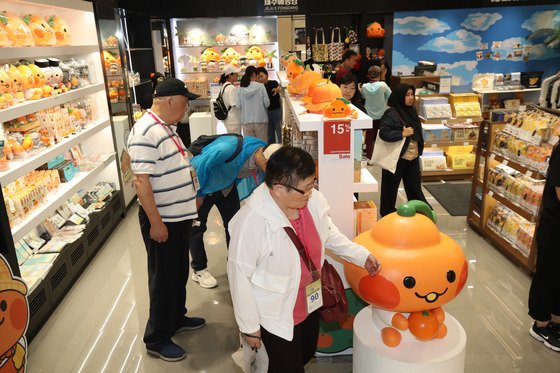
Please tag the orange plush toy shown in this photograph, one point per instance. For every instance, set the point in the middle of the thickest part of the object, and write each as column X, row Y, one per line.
column 61, row 31
column 339, row 108
column 294, row 68
column 423, row 269
column 230, row 56
column 257, row 54
column 17, row 30
column 375, row 30
column 5, row 40
column 6, row 84
column 323, row 95
column 42, row 32
column 209, row 54
column 17, row 86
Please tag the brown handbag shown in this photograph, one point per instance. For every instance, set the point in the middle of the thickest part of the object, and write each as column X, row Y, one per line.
column 335, row 303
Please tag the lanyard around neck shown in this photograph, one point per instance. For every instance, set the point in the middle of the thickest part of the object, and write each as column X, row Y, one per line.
column 154, row 117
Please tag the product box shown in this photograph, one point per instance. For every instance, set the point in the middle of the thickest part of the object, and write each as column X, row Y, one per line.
column 470, row 109
column 357, row 171
column 461, row 161
column 483, row 82
column 460, row 149
column 433, row 163
column 365, row 216
column 66, row 171
column 462, row 98
column 436, row 133
column 55, row 162
column 464, row 131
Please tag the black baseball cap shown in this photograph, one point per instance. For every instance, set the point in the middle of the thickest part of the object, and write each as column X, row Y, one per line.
column 173, row 87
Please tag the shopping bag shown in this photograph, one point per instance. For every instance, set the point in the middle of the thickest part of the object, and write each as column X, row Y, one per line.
column 249, row 360
column 336, row 48
column 352, row 37
column 320, row 51
column 386, row 154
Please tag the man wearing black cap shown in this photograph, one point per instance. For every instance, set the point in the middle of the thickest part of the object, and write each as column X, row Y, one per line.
column 166, row 185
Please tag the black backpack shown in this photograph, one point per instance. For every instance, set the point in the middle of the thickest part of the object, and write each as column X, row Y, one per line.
column 197, row 145
column 220, row 110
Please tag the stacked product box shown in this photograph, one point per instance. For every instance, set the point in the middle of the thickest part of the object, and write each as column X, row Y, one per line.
column 465, row 105
column 463, row 131
column 512, row 227
column 434, row 108
column 198, row 86
column 460, row 157
column 365, row 216
column 433, row 160
column 436, row 133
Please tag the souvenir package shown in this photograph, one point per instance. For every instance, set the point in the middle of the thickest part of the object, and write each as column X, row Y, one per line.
column 432, row 163
column 497, row 217
column 434, row 107
column 436, row 133
column 463, row 131
column 532, row 79
column 483, row 82
column 17, row 30
column 42, row 33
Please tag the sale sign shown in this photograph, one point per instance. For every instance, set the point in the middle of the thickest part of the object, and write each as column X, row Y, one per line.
column 337, row 140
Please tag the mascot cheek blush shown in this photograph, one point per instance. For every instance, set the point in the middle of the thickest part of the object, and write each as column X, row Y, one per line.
column 422, row 269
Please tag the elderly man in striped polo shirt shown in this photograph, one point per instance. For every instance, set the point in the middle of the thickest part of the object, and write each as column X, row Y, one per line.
column 166, row 186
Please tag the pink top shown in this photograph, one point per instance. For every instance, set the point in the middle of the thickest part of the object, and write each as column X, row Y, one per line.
column 309, row 237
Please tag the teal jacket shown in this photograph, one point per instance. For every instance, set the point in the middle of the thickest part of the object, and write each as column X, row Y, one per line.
column 376, row 99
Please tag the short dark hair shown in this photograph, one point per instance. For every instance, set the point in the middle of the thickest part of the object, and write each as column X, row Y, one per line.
column 347, row 54
column 289, row 165
column 262, row 69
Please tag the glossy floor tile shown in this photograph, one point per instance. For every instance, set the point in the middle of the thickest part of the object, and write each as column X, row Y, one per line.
column 98, row 326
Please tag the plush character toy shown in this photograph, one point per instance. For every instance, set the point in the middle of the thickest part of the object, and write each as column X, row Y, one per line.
column 293, row 69
column 17, row 84
column 61, row 31
column 339, row 108
column 5, row 39
column 17, row 30
column 109, row 59
column 58, row 75
column 323, row 95
column 230, row 56
column 257, row 54
column 302, row 82
column 42, row 32
column 375, row 30
column 27, row 80
column 40, row 82
column 220, row 39
column 6, row 89
column 423, row 269
column 209, row 54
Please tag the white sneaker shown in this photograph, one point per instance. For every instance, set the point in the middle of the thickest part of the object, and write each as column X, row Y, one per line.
column 204, row 279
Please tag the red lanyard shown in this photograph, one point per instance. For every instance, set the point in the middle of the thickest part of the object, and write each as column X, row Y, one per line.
column 168, row 132
column 255, row 177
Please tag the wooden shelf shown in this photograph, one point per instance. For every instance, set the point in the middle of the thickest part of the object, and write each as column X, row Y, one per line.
column 447, row 175
column 450, row 143
column 512, row 205
column 507, row 91
column 508, row 249
column 524, row 169
column 457, row 120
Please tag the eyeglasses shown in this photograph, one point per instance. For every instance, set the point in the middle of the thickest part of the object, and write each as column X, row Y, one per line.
column 304, row 192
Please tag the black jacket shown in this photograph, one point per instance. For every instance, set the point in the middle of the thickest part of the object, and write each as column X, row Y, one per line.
column 391, row 130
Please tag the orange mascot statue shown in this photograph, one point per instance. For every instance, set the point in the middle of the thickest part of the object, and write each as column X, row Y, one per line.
column 423, row 269
column 14, row 317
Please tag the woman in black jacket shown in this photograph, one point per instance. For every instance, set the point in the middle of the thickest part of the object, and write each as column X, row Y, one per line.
column 401, row 121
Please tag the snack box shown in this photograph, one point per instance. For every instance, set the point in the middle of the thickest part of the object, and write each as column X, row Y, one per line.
column 432, row 163
column 365, row 216
column 461, row 161
column 436, row 133
column 66, row 171
column 462, row 98
column 459, row 149
column 469, row 109
column 463, row 131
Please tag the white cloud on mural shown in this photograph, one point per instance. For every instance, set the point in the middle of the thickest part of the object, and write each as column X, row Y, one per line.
column 459, row 41
column 463, row 69
column 540, row 52
column 481, row 21
column 402, row 64
column 419, row 26
column 545, row 19
column 511, row 43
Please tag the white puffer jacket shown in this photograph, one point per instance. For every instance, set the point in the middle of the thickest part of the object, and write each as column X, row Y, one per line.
column 264, row 265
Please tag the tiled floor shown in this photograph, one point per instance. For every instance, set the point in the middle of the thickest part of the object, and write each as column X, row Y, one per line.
column 98, row 326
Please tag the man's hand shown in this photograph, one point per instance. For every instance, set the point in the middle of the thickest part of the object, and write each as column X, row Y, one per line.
column 158, row 232
column 199, row 201
column 372, row 265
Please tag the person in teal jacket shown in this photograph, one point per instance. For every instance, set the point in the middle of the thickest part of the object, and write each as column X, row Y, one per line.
column 376, row 94
column 253, row 101
column 224, row 183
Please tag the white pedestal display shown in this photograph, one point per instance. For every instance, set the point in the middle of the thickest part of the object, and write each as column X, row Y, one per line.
column 371, row 355
column 200, row 124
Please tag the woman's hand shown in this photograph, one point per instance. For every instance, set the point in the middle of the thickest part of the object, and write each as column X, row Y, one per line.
column 372, row 265
column 407, row 131
column 253, row 339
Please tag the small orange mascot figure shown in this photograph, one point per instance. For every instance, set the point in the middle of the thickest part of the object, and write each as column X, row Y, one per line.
column 423, row 269
column 375, row 30
column 340, row 108
column 14, row 317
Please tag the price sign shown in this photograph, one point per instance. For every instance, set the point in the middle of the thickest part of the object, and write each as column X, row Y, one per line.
column 337, row 140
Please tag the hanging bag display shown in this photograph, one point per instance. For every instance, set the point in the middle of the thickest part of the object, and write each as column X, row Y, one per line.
column 320, row 51
column 336, row 48
column 335, row 303
column 352, row 36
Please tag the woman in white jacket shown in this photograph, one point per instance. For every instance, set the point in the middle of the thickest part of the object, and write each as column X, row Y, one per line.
column 267, row 275
column 228, row 89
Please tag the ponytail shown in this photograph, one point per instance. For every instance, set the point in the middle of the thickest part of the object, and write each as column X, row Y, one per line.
column 246, row 79
column 223, row 79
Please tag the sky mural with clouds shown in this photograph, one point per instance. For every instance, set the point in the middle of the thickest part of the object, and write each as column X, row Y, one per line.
column 471, row 41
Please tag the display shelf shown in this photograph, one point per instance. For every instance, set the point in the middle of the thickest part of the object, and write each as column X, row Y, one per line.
column 457, row 120
column 209, row 72
column 447, row 174
column 367, row 183
column 65, row 191
column 509, row 250
column 29, row 107
column 22, row 168
column 138, row 49
column 451, row 143
column 512, row 205
column 507, row 91
column 222, row 45
column 17, row 53
column 518, row 166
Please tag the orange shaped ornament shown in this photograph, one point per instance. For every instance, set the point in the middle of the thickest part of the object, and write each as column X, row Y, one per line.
column 61, row 30
column 339, row 108
column 18, row 32
column 312, row 86
column 375, row 30
column 209, row 54
column 229, row 55
column 423, row 269
column 323, row 95
column 294, row 68
column 301, row 83
column 42, row 32
column 5, row 40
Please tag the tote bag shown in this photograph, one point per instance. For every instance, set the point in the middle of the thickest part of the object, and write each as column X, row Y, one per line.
column 386, row 154
column 336, row 48
column 320, row 51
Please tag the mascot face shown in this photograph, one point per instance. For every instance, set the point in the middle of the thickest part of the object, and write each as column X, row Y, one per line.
column 422, row 269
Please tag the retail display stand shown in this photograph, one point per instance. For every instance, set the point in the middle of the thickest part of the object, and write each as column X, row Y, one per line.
column 96, row 138
column 446, row 355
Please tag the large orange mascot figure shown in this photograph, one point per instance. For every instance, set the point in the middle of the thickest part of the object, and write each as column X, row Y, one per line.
column 14, row 317
column 423, row 269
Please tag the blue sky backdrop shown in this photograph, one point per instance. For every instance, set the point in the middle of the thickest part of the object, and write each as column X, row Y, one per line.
column 452, row 39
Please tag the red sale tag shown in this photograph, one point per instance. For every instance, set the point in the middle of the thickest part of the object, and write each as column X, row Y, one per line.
column 337, row 138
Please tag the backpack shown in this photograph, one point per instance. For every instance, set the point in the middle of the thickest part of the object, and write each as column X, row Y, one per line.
column 197, row 145
column 220, row 110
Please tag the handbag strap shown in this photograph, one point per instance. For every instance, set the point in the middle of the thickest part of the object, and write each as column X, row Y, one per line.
column 333, row 35
column 322, row 34
column 301, row 250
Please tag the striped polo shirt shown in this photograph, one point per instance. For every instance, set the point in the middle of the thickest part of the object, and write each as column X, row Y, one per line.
column 153, row 152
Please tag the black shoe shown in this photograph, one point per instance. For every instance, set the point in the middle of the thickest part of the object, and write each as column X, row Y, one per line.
column 549, row 335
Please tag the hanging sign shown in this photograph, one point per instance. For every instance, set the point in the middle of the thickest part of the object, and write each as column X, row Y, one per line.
column 337, row 140
column 279, row 7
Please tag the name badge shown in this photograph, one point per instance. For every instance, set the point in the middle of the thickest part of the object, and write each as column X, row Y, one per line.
column 194, row 177
column 314, row 296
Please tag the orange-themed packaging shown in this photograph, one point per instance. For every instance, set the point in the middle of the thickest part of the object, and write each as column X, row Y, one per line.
column 61, row 30
column 17, row 86
column 40, row 29
column 6, row 89
column 5, row 39
column 17, row 30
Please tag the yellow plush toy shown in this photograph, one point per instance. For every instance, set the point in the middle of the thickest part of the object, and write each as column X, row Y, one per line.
column 257, row 54
column 209, row 54
column 230, row 56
